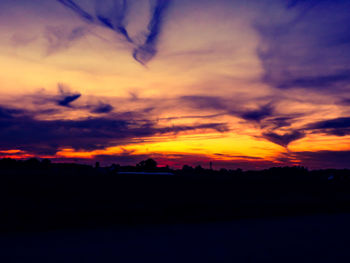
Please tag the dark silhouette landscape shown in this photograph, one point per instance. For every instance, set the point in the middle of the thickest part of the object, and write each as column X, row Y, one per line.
column 64, row 212
column 38, row 195
column 174, row 131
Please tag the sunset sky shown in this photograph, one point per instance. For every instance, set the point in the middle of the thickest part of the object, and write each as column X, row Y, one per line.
column 241, row 83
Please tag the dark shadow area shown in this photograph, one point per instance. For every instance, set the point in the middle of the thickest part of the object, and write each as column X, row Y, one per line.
column 316, row 238
column 39, row 195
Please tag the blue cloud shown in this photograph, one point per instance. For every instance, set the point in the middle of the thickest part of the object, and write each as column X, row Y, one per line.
column 114, row 16
column 148, row 50
column 310, row 49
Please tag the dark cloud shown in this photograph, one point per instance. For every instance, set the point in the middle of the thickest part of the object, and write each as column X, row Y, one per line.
column 259, row 114
column 269, row 121
column 145, row 52
column 191, row 117
column 26, row 133
column 338, row 126
column 113, row 14
column 345, row 101
column 102, row 108
column 77, row 9
column 317, row 81
column 66, row 97
column 303, row 46
column 48, row 102
column 284, row 139
column 229, row 107
column 220, row 127
column 278, row 122
column 22, row 130
column 8, row 113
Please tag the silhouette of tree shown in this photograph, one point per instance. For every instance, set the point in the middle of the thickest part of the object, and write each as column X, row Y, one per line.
column 8, row 162
column 46, row 162
column 198, row 169
column 187, row 168
column 32, row 162
column 148, row 164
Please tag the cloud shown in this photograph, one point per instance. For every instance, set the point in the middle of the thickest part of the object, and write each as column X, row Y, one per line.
column 276, row 122
column 259, row 114
column 26, row 133
column 21, row 130
column 220, row 127
column 113, row 15
column 77, row 9
column 9, row 113
column 59, row 37
column 321, row 81
column 204, row 102
column 66, row 97
column 304, row 45
column 284, row 139
column 229, row 107
column 102, row 108
column 346, row 101
column 145, row 52
column 338, row 126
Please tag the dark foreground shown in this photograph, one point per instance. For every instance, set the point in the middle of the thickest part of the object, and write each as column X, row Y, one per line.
column 318, row 238
column 81, row 214
column 48, row 202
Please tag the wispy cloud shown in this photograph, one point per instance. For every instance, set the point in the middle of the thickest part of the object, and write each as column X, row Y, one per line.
column 60, row 37
column 305, row 46
column 145, row 52
column 113, row 16
column 339, row 126
column 77, row 9
column 283, row 139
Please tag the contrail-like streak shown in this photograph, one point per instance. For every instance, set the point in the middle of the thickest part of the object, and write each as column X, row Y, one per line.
column 148, row 50
column 77, row 9
column 114, row 19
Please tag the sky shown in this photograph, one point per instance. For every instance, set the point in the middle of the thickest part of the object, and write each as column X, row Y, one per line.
column 240, row 83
